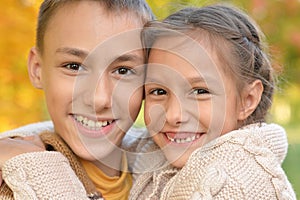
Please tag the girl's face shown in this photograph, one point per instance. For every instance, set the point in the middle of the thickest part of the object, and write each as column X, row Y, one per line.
column 189, row 99
column 92, row 74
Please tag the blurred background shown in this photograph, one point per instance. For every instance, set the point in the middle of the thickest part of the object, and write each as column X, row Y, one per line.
column 21, row 103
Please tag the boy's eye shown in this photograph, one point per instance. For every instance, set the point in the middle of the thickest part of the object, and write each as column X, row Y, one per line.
column 123, row 71
column 158, row 92
column 200, row 91
column 74, row 67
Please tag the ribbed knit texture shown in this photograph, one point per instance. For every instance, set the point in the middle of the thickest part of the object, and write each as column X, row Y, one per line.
column 242, row 164
column 37, row 165
column 59, row 145
column 5, row 192
column 27, row 183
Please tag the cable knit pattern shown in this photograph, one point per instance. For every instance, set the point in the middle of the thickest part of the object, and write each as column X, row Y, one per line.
column 42, row 163
column 242, row 164
column 63, row 183
column 26, row 175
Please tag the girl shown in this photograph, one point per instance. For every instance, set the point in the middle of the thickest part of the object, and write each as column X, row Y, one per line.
column 89, row 62
column 208, row 88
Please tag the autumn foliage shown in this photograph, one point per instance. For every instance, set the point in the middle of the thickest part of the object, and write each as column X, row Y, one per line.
column 21, row 103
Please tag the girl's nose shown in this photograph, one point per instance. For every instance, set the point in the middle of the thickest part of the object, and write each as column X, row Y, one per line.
column 175, row 113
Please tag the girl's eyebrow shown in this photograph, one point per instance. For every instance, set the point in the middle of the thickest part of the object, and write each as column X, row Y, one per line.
column 198, row 79
column 152, row 80
column 73, row 51
column 191, row 80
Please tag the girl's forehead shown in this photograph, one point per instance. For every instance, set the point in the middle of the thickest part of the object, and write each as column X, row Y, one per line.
column 165, row 64
column 189, row 58
column 182, row 52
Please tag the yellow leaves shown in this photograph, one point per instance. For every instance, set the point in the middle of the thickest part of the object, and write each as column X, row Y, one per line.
column 20, row 102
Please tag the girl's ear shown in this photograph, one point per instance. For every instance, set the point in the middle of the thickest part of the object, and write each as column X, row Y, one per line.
column 34, row 68
column 251, row 96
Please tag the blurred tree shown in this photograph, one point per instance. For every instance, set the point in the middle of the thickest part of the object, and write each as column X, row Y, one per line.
column 20, row 103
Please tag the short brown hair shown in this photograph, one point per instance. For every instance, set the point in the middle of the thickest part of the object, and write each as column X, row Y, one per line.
column 49, row 7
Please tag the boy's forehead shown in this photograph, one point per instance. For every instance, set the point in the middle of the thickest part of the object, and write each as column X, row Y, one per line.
column 86, row 24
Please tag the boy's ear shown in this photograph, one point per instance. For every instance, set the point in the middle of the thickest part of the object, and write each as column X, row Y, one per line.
column 34, row 68
column 251, row 97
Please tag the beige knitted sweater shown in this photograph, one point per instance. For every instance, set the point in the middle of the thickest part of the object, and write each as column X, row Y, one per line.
column 48, row 175
column 243, row 164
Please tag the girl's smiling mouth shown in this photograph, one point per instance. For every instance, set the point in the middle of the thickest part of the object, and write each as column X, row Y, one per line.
column 182, row 137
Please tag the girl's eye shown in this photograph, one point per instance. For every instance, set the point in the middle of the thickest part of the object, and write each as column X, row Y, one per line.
column 123, row 71
column 74, row 67
column 200, row 91
column 158, row 92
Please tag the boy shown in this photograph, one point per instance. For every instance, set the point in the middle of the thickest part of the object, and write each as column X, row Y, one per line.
column 89, row 61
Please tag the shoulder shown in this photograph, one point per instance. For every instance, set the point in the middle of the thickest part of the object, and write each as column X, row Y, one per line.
column 142, row 153
column 30, row 129
column 233, row 161
column 252, row 140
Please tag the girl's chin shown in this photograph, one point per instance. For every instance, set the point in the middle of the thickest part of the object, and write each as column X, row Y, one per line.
column 178, row 163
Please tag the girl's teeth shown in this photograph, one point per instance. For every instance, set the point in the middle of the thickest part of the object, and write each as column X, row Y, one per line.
column 184, row 140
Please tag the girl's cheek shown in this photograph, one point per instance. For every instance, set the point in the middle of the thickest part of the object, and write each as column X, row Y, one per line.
column 154, row 117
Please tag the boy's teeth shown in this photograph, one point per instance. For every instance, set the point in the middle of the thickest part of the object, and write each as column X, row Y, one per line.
column 105, row 123
column 91, row 123
column 184, row 140
column 98, row 124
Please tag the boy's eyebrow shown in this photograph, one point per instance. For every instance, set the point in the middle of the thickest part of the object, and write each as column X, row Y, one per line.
column 73, row 51
column 129, row 57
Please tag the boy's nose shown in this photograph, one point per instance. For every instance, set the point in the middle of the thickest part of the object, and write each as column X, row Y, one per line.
column 101, row 96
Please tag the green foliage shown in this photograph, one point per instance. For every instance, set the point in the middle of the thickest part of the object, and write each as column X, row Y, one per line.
column 291, row 167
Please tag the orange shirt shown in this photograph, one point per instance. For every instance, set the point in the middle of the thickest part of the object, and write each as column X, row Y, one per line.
column 112, row 188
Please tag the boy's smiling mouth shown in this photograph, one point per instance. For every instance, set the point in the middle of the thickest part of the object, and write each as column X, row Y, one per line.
column 182, row 137
column 97, row 127
column 92, row 124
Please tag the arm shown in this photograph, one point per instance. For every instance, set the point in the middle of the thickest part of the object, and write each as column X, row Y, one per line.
column 42, row 175
column 238, row 165
column 32, row 173
column 29, row 129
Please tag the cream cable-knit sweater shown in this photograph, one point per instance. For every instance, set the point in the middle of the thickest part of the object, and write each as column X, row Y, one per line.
column 243, row 164
column 48, row 175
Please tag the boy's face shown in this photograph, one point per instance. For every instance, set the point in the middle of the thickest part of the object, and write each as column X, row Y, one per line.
column 189, row 100
column 92, row 74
